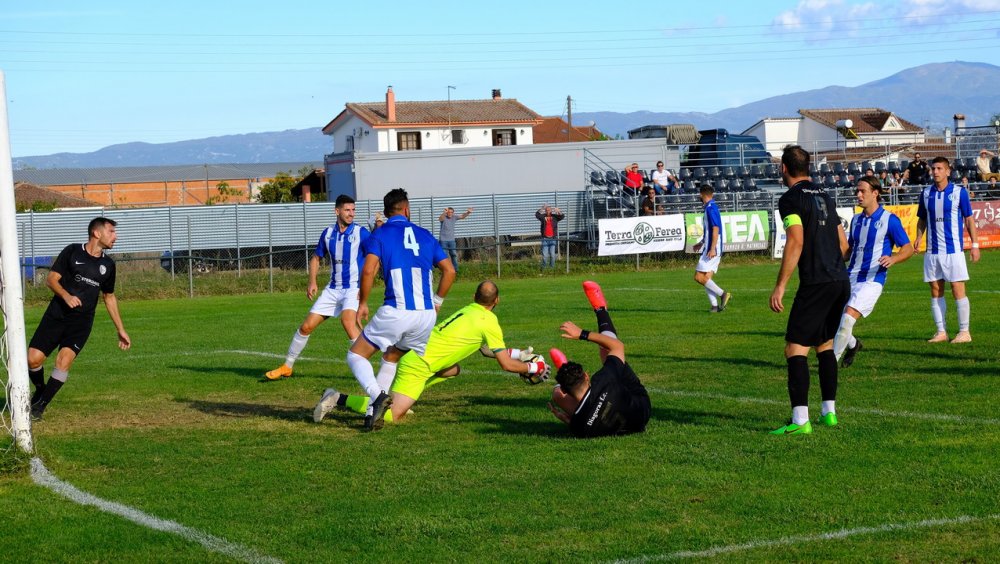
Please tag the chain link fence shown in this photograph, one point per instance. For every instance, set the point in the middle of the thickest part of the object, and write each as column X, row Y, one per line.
column 210, row 250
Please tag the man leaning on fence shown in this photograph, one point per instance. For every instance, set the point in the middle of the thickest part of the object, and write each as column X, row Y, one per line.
column 548, row 218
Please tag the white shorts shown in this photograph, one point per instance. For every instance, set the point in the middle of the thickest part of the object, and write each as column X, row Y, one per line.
column 864, row 295
column 331, row 303
column 407, row 330
column 706, row 264
column 947, row 267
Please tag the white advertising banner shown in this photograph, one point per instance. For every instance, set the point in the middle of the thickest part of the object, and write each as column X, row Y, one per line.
column 647, row 234
column 779, row 229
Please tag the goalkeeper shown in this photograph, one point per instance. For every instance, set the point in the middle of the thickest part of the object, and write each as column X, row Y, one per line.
column 611, row 402
column 474, row 327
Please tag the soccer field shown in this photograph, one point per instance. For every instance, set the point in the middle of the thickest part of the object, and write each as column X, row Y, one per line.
column 183, row 428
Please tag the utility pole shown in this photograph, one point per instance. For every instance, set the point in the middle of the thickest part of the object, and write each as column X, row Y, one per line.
column 569, row 117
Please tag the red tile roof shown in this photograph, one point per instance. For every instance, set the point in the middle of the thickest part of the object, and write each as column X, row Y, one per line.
column 442, row 113
column 866, row 120
column 556, row 130
column 26, row 194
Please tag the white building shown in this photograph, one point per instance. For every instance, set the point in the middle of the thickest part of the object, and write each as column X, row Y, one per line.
column 378, row 127
column 836, row 129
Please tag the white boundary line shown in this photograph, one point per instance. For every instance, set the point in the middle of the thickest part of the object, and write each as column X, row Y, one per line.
column 41, row 475
column 879, row 412
column 802, row 539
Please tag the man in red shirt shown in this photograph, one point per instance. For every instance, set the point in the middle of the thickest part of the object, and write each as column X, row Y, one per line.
column 633, row 179
column 548, row 217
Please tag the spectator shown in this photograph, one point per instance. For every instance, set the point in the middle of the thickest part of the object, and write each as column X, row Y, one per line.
column 885, row 180
column 649, row 206
column 633, row 180
column 663, row 180
column 447, row 234
column 548, row 218
column 983, row 164
column 918, row 173
column 869, row 175
column 897, row 179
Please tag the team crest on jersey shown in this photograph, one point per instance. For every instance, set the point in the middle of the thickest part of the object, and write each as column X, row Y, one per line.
column 955, row 196
column 354, row 237
column 104, row 270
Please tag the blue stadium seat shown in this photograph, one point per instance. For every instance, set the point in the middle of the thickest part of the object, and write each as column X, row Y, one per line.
column 839, row 168
column 854, row 168
column 892, row 167
column 867, row 165
column 714, row 173
column 824, row 169
column 828, row 181
column 880, row 167
column 772, row 171
column 729, row 173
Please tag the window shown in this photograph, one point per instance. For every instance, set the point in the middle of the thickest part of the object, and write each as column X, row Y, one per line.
column 457, row 136
column 408, row 141
column 503, row 137
column 349, row 144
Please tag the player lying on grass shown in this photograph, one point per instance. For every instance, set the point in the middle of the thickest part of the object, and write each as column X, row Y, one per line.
column 611, row 402
column 474, row 327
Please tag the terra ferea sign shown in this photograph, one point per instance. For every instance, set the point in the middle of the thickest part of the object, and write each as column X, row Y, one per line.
column 650, row 234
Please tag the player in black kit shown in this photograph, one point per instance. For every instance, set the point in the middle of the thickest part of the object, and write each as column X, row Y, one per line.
column 79, row 274
column 611, row 402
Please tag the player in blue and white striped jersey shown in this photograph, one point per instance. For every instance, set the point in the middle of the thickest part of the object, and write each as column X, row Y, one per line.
column 711, row 244
column 342, row 242
column 407, row 254
column 943, row 210
column 874, row 232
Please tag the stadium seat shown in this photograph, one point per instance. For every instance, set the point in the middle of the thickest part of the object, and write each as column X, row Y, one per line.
column 743, row 172
column 596, row 178
column 757, row 171
column 749, row 185
column 828, row 181
column 812, row 168
column 867, row 165
column 892, row 167
column 879, row 167
column 995, row 164
column 699, row 174
column 685, row 174
column 839, row 169
column 613, row 178
column 646, row 178
column 903, row 165
column 771, row 171
column 824, row 169
column 729, row 173
column 854, row 168
column 687, row 187
column 714, row 173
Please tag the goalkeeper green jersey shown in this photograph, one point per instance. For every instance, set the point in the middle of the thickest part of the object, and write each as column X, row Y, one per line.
column 461, row 335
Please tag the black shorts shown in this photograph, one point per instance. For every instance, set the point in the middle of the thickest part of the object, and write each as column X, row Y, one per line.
column 71, row 332
column 816, row 313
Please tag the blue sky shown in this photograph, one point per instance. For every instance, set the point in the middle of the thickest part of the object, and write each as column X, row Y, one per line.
column 84, row 75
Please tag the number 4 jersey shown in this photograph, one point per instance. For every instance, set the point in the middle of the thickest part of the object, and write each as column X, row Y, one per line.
column 408, row 254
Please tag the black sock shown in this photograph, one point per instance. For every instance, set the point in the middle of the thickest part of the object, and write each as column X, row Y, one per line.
column 604, row 323
column 828, row 375
column 342, row 400
column 798, row 380
column 37, row 377
column 50, row 391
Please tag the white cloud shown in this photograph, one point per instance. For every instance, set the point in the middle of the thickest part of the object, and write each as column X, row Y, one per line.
column 825, row 18
column 933, row 11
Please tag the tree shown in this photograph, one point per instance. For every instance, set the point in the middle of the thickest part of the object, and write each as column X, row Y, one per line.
column 225, row 191
column 278, row 190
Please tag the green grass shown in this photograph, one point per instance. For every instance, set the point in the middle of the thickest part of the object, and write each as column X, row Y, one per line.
column 182, row 427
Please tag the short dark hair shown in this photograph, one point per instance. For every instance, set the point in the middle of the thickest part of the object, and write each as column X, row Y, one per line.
column 344, row 199
column 394, row 200
column 570, row 376
column 486, row 293
column 944, row 160
column 99, row 223
column 873, row 184
column 706, row 188
column 796, row 160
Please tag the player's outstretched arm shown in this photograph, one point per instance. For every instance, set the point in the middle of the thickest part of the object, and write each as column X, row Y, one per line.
column 111, row 302
column 614, row 346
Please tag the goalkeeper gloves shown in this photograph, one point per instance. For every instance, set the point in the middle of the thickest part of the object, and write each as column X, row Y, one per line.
column 538, row 371
column 524, row 355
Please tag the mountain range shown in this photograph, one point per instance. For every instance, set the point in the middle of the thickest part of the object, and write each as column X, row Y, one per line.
column 927, row 95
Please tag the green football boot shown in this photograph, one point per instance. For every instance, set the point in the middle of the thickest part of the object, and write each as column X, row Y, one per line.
column 828, row 420
column 793, row 429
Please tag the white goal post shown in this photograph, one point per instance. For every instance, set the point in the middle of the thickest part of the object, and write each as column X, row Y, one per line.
column 13, row 349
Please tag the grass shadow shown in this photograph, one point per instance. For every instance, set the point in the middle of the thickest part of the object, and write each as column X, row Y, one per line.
column 240, row 410
column 715, row 360
column 255, row 372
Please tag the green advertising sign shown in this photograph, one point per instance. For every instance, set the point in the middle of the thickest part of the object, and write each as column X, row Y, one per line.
column 744, row 231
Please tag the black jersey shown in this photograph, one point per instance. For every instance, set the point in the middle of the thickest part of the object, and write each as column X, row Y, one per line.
column 83, row 276
column 821, row 260
column 617, row 403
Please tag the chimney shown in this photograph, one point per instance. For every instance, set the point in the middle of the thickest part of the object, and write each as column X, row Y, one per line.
column 496, row 94
column 390, row 104
column 959, row 122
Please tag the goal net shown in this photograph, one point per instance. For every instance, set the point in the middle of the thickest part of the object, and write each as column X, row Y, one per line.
column 14, row 415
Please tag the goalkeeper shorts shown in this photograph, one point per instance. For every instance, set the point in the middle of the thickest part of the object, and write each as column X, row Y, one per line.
column 412, row 374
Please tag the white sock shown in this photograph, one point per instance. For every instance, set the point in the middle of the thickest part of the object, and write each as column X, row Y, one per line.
column 842, row 339
column 364, row 373
column 714, row 288
column 938, row 309
column 60, row 375
column 800, row 414
column 828, row 407
column 712, row 299
column 295, row 349
column 386, row 374
column 853, row 342
column 963, row 313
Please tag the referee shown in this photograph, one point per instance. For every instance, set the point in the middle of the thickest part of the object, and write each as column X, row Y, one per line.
column 816, row 244
column 78, row 275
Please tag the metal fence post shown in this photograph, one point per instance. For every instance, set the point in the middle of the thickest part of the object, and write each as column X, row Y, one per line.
column 190, row 261
column 305, row 235
column 170, row 235
column 496, row 231
column 239, row 259
column 270, row 257
column 31, row 221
